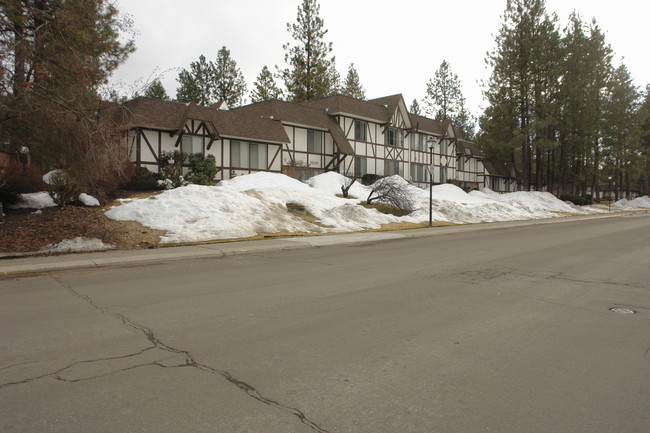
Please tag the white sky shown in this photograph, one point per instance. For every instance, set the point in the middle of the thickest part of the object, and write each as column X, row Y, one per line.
column 395, row 46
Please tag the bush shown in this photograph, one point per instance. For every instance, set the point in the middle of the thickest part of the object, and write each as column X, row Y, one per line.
column 392, row 192
column 16, row 179
column 202, row 169
column 575, row 199
column 171, row 169
column 63, row 188
column 143, row 180
column 369, row 178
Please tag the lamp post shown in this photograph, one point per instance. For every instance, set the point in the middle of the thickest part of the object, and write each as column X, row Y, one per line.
column 430, row 144
column 609, row 206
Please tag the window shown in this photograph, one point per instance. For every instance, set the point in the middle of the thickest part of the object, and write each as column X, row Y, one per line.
column 248, row 155
column 360, row 167
column 443, row 147
column 419, row 173
column 395, row 137
column 393, row 167
column 360, row 129
column 443, row 174
column 191, row 144
column 461, row 163
column 314, row 141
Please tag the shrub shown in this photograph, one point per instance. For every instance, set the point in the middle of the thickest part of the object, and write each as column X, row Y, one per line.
column 143, row 180
column 369, row 178
column 17, row 179
column 63, row 188
column 171, row 169
column 202, row 169
column 392, row 192
column 575, row 199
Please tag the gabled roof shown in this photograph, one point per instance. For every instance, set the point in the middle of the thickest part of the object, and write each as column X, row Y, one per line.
column 466, row 147
column 393, row 102
column 345, row 105
column 426, row 125
column 300, row 115
column 172, row 116
column 495, row 168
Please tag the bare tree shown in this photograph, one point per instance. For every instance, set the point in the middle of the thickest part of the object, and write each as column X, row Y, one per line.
column 391, row 191
column 346, row 184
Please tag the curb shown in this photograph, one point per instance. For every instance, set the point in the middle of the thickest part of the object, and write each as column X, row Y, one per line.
column 35, row 264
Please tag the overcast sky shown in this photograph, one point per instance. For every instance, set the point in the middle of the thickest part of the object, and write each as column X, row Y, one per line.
column 395, row 46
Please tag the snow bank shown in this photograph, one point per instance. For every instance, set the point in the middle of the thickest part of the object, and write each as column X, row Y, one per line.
column 257, row 203
column 35, row 200
column 639, row 202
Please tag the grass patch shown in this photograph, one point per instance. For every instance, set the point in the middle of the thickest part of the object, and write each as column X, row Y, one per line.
column 386, row 209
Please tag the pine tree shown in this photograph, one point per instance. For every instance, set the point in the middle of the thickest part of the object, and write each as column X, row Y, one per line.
column 352, row 87
column 265, row 88
column 54, row 57
column 644, row 122
column 522, row 85
column 197, row 85
column 415, row 108
column 229, row 82
column 156, row 90
column 622, row 133
column 444, row 95
column 310, row 72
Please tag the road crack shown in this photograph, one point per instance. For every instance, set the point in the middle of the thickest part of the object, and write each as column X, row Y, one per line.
column 189, row 361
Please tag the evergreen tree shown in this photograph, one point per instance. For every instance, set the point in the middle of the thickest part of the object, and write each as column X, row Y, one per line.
column 310, row 72
column 415, row 108
column 444, row 100
column 265, row 88
column 586, row 68
column 644, row 122
column 229, row 82
column 54, row 56
column 444, row 95
column 622, row 134
column 352, row 87
column 197, row 85
column 156, row 90
column 522, row 86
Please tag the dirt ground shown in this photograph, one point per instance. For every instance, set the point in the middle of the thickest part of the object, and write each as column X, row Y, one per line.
column 25, row 230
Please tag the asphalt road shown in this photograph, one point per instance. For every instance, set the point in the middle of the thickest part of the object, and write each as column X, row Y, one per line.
column 505, row 330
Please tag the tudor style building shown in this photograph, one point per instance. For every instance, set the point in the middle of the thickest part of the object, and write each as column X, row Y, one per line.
column 336, row 133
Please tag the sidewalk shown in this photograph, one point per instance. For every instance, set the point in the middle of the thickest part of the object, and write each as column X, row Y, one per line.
column 23, row 265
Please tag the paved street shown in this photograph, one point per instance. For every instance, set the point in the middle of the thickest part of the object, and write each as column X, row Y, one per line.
column 503, row 330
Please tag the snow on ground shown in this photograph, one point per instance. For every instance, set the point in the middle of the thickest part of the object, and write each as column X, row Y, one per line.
column 34, row 200
column 77, row 245
column 257, row 203
column 639, row 202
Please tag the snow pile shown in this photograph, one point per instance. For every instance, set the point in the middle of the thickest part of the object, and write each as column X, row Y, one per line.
column 639, row 202
column 243, row 207
column 34, row 200
column 88, row 200
column 77, row 245
column 257, row 203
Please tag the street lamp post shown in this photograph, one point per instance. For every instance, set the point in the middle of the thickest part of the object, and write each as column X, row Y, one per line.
column 609, row 206
column 430, row 145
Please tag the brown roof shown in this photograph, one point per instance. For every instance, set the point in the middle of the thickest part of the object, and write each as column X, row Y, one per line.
column 302, row 115
column 462, row 144
column 392, row 102
column 424, row 124
column 341, row 104
column 495, row 168
column 172, row 116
